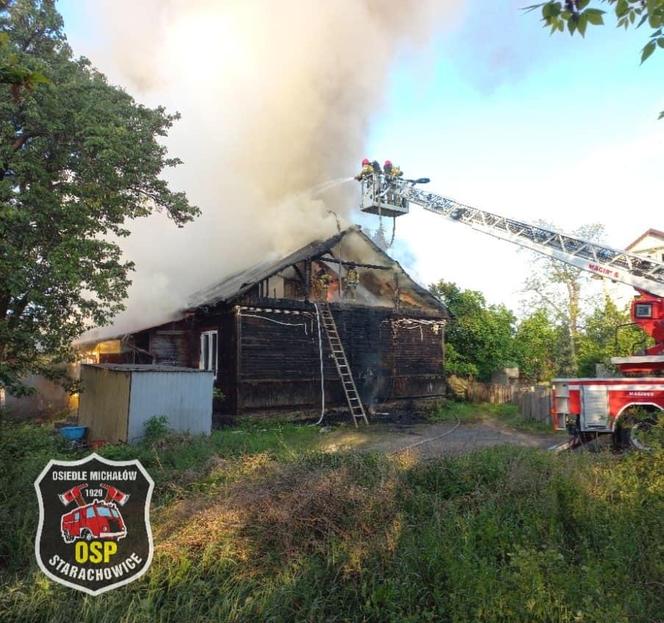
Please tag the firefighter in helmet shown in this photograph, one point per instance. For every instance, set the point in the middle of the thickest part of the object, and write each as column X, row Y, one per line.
column 322, row 283
column 390, row 172
column 352, row 281
column 366, row 171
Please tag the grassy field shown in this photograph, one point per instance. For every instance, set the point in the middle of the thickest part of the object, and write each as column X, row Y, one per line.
column 506, row 414
column 258, row 524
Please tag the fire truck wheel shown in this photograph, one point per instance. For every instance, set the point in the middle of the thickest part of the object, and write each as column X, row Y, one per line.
column 639, row 434
column 87, row 535
column 640, row 431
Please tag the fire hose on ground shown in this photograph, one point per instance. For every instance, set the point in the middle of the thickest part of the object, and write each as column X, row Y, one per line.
column 429, row 439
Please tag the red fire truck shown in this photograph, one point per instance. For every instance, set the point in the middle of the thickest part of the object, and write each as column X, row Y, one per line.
column 625, row 407
column 99, row 520
column 630, row 406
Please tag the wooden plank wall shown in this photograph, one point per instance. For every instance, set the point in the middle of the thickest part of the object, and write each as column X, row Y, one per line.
column 366, row 336
column 418, row 365
column 494, row 393
column 171, row 347
column 272, row 361
column 279, row 363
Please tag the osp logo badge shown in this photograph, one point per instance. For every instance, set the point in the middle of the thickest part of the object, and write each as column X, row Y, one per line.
column 94, row 523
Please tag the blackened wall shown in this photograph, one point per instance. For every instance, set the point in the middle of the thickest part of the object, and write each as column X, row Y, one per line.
column 270, row 360
column 279, row 365
column 225, row 322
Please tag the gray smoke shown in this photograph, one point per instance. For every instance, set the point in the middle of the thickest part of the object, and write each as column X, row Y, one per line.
column 276, row 98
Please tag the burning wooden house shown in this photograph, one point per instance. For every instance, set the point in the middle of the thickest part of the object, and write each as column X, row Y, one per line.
column 261, row 333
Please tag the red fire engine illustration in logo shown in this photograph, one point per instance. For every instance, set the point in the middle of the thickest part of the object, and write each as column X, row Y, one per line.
column 100, row 519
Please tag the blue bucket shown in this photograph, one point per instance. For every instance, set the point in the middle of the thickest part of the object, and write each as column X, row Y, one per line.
column 73, row 433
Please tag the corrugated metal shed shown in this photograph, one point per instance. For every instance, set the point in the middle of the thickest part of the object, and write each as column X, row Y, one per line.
column 119, row 399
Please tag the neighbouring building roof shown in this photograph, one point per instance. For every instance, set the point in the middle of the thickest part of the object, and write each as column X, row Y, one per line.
column 654, row 233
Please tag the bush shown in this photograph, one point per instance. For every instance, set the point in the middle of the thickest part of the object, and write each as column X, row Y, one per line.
column 254, row 525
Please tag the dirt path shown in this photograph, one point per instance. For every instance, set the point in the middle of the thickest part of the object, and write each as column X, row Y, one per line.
column 434, row 440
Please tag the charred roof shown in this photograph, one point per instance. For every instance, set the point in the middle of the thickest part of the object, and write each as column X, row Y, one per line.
column 361, row 251
column 357, row 247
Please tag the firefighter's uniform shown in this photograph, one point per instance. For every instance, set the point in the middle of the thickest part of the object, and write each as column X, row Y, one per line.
column 352, row 281
column 322, row 283
column 366, row 171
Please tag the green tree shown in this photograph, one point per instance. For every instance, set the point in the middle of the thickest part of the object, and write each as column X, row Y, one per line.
column 577, row 15
column 480, row 337
column 78, row 159
column 607, row 333
column 561, row 288
column 537, row 346
column 12, row 71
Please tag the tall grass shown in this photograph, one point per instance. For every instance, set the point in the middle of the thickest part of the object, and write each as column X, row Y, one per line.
column 177, row 463
column 506, row 414
column 262, row 528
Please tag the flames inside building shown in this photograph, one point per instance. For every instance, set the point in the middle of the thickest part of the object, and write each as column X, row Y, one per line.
column 260, row 332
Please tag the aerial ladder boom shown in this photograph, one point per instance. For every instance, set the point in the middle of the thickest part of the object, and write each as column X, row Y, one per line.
column 390, row 196
column 645, row 275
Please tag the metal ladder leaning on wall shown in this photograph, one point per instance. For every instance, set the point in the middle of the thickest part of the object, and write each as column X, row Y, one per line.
column 341, row 362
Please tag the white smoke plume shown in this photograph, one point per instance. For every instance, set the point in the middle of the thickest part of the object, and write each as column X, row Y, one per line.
column 276, row 98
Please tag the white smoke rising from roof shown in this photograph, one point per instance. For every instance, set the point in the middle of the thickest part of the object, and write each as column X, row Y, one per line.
column 276, row 98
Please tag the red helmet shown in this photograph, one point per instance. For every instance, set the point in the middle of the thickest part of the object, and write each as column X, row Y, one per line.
column 365, row 161
column 388, row 163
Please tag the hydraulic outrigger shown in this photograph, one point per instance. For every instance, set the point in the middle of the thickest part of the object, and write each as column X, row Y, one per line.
column 585, row 407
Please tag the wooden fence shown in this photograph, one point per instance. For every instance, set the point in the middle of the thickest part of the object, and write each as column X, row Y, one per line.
column 493, row 393
column 534, row 401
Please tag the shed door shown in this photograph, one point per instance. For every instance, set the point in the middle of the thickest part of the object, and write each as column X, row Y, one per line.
column 595, row 403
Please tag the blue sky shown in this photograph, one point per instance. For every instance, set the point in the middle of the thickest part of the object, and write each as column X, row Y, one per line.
column 505, row 117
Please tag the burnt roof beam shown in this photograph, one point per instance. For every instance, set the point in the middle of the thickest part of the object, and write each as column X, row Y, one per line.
column 354, row 264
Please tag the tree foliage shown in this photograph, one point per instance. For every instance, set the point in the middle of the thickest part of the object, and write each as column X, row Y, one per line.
column 78, row 159
column 577, row 15
column 13, row 71
column 479, row 339
column 562, row 289
column 482, row 339
column 607, row 333
column 537, row 346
